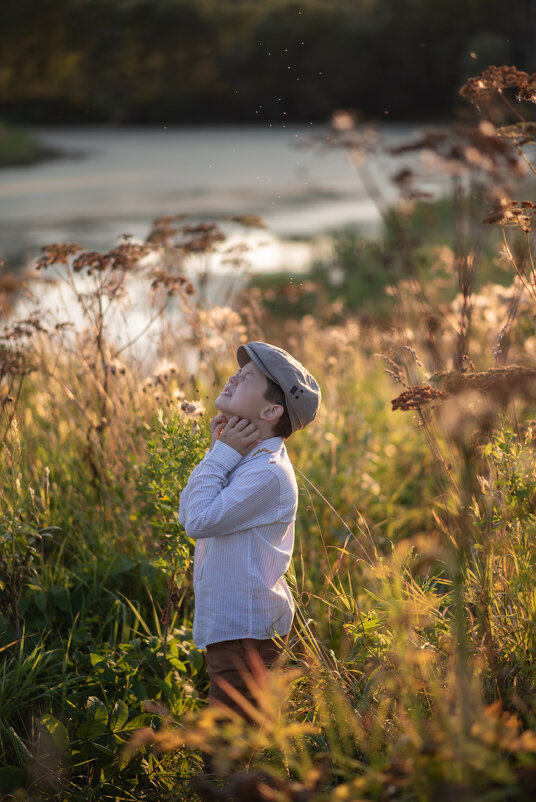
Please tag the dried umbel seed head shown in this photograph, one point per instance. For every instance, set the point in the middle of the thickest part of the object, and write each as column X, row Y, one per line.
column 58, row 253
column 417, row 397
column 201, row 237
column 14, row 361
column 513, row 214
column 127, row 255
column 164, row 229
column 463, row 148
column 496, row 79
column 522, row 133
column 171, row 283
column 91, row 261
column 499, row 385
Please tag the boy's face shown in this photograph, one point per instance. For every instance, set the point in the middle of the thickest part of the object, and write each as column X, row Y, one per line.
column 243, row 395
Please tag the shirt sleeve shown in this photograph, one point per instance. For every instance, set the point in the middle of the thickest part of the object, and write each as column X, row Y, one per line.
column 212, row 508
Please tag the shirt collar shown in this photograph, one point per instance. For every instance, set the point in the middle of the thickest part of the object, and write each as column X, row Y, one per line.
column 273, row 444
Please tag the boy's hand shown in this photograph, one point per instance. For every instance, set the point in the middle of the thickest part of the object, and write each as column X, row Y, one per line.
column 241, row 435
column 217, row 425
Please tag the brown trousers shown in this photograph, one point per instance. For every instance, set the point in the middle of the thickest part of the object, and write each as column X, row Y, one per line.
column 236, row 661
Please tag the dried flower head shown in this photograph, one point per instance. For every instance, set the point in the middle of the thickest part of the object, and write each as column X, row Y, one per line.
column 500, row 385
column 15, row 356
column 171, row 283
column 417, row 397
column 58, row 253
column 522, row 133
column 496, row 79
column 164, row 372
column 247, row 220
column 200, row 237
column 513, row 214
column 164, row 229
column 92, row 261
column 463, row 148
column 127, row 255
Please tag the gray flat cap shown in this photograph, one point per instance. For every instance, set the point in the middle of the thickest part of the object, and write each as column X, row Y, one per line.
column 302, row 393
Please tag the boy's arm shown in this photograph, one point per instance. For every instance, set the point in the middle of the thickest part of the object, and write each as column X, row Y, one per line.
column 241, row 437
column 210, row 509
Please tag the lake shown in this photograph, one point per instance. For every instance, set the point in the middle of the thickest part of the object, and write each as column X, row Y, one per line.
column 111, row 181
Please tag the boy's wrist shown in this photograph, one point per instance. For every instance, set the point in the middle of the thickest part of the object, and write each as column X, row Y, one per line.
column 225, row 455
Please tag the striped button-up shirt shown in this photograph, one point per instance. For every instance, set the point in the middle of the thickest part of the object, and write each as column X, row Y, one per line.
column 241, row 511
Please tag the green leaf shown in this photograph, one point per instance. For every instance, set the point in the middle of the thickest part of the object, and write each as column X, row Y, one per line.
column 140, row 691
column 143, row 720
column 96, row 659
column 119, row 716
column 97, row 719
column 176, row 663
column 57, row 730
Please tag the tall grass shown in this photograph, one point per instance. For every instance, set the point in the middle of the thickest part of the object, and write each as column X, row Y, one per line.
column 410, row 668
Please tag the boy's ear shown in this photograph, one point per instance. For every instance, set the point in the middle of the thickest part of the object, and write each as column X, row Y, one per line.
column 272, row 413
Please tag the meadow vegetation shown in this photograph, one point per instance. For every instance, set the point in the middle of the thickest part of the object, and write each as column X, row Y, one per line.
column 19, row 147
column 410, row 669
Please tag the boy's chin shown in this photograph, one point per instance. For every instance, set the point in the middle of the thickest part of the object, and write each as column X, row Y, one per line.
column 222, row 407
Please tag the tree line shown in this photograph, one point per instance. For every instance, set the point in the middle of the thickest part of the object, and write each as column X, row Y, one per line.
column 186, row 61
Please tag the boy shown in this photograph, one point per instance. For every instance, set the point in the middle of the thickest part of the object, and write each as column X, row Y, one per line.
column 240, row 505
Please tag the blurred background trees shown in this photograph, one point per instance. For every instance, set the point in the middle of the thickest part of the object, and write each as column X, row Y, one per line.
column 186, row 61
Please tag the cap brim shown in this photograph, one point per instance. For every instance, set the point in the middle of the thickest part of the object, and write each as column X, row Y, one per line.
column 246, row 354
column 243, row 355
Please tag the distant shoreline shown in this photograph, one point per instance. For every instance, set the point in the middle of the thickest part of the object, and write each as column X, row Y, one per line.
column 21, row 148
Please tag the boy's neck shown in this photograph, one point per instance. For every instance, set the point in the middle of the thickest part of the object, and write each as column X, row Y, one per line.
column 265, row 429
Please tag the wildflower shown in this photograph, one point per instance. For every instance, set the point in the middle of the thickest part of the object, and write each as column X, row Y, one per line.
column 116, row 367
column 193, row 408
column 164, row 371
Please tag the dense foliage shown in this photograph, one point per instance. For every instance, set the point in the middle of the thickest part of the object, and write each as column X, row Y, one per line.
column 184, row 61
